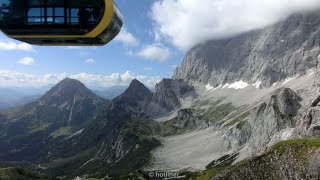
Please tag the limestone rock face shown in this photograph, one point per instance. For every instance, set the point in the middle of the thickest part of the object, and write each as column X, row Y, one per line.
column 266, row 121
column 187, row 120
column 269, row 55
column 288, row 102
column 168, row 96
column 310, row 123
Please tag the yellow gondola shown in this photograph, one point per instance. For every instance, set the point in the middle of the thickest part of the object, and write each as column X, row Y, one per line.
column 60, row 22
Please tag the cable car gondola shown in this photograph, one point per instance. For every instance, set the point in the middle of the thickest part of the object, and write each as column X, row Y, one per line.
column 60, row 22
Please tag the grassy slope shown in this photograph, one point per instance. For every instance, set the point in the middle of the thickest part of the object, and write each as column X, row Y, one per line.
column 283, row 154
column 20, row 174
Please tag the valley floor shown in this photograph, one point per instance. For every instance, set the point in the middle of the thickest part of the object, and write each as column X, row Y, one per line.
column 191, row 151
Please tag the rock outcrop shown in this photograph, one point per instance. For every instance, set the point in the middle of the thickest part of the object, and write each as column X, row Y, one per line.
column 266, row 121
column 309, row 123
column 168, row 96
column 185, row 121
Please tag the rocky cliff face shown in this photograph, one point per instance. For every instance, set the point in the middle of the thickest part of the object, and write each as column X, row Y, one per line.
column 185, row 121
column 279, row 51
column 266, row 122
column 168, row 96
column 309, row 123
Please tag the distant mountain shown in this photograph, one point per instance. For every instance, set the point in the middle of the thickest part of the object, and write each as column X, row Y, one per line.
column 111, row 92
column 134, row 98
column 17, row 96
column 72, row 131
column 9, row 97
column 26, row 100
column 7, row 102
column 60, row 112
column 118, row 141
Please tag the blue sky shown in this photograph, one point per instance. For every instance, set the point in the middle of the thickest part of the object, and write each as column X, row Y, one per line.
column 154, row 39
column 119, row 56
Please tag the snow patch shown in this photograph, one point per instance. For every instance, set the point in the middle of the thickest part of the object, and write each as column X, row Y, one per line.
column 211, row 88
column 238, row 85
column 288, row 80
column 225, row 86
column 312, row 73
column 217, row 87
column 257, row 84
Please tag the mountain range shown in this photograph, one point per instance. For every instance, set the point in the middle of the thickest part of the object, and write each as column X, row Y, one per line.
column 17, row 96
column 12, row 98
column 111, row 92
column 245, row 107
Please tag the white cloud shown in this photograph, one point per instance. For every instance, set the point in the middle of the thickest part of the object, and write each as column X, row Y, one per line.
column 11, row 46
column 26, row 61
column 93, row 81
column 74, row 47
column 155, row 53
column 90, row 61
column 127, row 76
column 126, row 38
column 186, row 23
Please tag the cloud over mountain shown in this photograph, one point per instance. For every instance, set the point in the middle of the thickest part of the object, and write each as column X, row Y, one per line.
column 186, row 23
column 155, row 52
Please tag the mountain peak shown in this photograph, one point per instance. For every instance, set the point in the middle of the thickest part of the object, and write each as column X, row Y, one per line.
column 134, row 95
column 136, row 84
column 68, row 81
column 67, row 89
column 70, row 86
column 136, row 88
